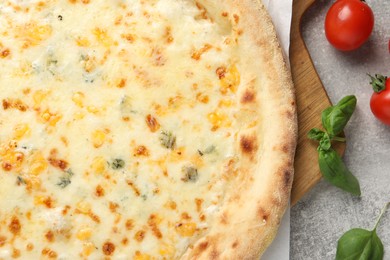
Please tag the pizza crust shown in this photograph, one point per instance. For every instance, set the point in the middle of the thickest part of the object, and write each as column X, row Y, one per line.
column 151, row 129
column 252, row 210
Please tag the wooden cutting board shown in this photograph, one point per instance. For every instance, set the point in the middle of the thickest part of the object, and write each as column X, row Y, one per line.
column 311, row 101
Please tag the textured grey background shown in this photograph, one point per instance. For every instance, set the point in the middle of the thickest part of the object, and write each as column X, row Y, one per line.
column 325, row 213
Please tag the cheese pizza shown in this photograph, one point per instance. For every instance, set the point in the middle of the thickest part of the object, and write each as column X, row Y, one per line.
column 142, row 129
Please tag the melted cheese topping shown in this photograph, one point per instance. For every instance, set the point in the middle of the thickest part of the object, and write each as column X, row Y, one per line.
column 116, row 125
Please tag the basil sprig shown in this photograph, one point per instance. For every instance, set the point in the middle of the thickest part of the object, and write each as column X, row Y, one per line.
column 332, row 167
column 361, row 244
column 335, row 118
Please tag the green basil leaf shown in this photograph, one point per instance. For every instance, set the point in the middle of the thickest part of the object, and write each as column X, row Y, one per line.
column 325, row 142
column 316, row 134
column 336, row 117
column 377, row 247
column 359, row 244
column 334, row 170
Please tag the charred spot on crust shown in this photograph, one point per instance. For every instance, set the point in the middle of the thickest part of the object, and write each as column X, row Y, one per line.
column 203, row 246
column 248, row 144
column 200, row 249
column 248, row 97
column 263, row 215
column 235, row 244
column 283, row 148
column 289, row 114
column 287, row 177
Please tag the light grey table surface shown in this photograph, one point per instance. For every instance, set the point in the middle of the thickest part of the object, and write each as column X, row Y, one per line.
column 325, row 213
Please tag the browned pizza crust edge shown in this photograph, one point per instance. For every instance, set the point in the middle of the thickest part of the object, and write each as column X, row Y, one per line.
column 252, row 210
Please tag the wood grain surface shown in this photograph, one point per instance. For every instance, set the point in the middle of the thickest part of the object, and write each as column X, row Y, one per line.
column 311, row 101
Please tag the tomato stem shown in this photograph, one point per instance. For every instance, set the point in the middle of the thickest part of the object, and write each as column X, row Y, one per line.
column 339, row 139
column 378, row 82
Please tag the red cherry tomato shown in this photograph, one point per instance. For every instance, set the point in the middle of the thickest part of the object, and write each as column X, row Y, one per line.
column 380, row 99
column 348, row 24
